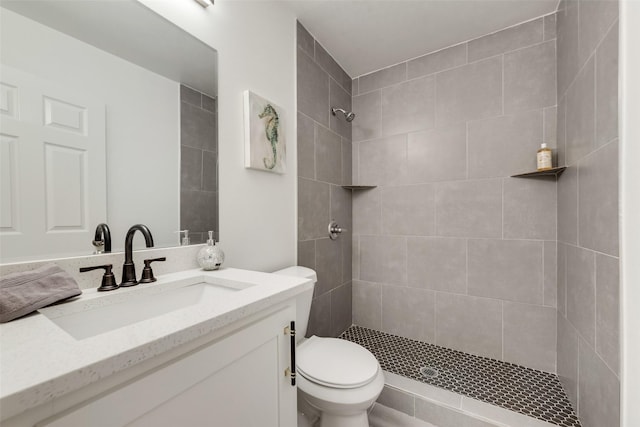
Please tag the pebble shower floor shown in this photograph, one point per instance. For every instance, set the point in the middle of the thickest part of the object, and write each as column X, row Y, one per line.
column 516, row 388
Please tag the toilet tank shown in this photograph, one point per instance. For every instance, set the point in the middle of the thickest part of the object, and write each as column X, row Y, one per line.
column 303, row 301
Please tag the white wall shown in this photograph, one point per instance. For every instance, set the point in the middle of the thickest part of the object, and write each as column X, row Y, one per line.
column 143, row 123
column 630, row 209
column 255, row 41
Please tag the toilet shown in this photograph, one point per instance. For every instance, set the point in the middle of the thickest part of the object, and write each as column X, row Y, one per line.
column 338, row 381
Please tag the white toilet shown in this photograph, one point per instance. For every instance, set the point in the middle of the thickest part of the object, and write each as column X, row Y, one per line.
column 337, row 380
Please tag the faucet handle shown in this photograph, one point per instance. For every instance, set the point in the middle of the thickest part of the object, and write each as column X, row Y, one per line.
column 147, row 272
column 108, row 279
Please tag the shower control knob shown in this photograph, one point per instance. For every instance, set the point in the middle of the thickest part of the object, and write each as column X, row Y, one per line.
column 334, row 230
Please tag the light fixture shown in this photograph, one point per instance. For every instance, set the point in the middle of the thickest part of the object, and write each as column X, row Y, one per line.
column 205, row 3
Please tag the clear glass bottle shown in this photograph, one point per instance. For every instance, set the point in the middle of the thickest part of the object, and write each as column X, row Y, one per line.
column 544, row 158
column 211, row 256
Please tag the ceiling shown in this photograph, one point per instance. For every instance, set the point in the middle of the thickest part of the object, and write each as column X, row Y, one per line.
column 367, row 35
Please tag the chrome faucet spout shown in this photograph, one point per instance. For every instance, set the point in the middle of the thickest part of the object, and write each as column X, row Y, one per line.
column 128, row 268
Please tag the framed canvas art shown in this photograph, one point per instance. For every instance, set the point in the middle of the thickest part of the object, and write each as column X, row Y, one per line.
column 264, row 139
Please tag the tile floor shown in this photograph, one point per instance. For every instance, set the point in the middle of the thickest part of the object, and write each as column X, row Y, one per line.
column 533, row 393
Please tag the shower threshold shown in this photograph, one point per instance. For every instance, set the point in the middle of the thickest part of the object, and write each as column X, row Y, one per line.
column 513, row 395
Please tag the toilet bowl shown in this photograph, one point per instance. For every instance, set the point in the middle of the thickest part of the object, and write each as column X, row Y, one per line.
column 337, row 380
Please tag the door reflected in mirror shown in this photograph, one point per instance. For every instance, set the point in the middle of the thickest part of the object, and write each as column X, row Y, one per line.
column 111, row 117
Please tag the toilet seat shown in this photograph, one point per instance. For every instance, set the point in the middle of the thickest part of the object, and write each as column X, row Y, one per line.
column 336, row 363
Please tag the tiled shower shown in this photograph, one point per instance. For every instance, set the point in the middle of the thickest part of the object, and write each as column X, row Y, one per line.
column 448, row 248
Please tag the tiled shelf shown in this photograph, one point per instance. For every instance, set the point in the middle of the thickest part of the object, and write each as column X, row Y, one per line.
column 358, row 187
column 549, row 172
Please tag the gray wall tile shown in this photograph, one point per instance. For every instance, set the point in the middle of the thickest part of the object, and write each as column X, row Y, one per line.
column 550, row 27
column 383, row 161
column 444, row 59
column 397, row 399
column 561, row 132
column 347, row 256
column 596, row 18
column 530, row 209
column 469, row 208
column 437, row 263
column 506, row 40
column 383, row 259
column 326, row 61
column 408, row 210
column 469, row 92
column 328, row 155
column 607, row 88
column 530, row 336
column 320, row 316
column 328, row 265
column 382, row 78
column 368, row 109
column 190, row 96
column 562, row 279
column 599, row 391
column 339, row 98
column 367, row 304
column 457, row 324
column 567, row 21
column 409, row 312
column 313, row 89
column 598, row 200
column 209, row 171
column 581, row 309
column 210, row 104
column 347, row 160
column 355, row 260
column 438, row 155
column 341, row 209
column 568, row 358
column 409, row 106
column 313, row 209
column 550, row 129
column 608, row 311
column 580, row 113
column 506, row 269
column 530, row 77
column 190, row 168
column 304, row 39
column 341, row 303
column 307, row 254
column 306, row 147
column 550, row 296
column 445, row 416
column 367, row 212
column 568, row 206
column 503, row 146
column 197, row 127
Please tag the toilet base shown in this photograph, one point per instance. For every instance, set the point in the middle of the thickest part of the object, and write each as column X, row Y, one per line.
column 355, row 420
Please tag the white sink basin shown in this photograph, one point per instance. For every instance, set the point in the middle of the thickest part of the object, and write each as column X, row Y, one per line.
column 133, row 307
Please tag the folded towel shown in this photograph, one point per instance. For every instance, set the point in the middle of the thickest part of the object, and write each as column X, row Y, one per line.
column 22, row 293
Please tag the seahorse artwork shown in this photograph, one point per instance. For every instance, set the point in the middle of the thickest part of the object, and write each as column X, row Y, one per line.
column 271, row 130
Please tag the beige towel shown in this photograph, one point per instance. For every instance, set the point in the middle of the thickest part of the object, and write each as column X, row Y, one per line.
column 23, row 293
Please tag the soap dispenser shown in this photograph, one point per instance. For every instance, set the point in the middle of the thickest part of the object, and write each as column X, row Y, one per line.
column 211, row 256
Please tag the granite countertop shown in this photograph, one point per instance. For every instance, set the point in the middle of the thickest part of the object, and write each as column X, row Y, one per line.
column 40, row 362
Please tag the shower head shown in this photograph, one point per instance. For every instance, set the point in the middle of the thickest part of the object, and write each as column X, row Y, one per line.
column 348, row 115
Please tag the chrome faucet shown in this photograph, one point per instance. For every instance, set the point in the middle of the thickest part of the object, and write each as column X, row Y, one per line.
column 129, row 269
column 102, row 238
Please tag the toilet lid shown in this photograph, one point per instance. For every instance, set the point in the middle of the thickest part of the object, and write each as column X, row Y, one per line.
column 336, row 363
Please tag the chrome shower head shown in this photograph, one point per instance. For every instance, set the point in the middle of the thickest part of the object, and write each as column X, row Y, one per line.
column 348, row 115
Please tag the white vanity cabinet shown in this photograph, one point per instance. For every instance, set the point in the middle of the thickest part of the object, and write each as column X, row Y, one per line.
column 237, row 380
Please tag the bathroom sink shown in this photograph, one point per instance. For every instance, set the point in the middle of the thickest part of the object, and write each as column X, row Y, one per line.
column 134, row 308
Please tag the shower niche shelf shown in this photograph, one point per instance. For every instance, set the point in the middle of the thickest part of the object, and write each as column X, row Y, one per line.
column 549, row 172
column 358, row 187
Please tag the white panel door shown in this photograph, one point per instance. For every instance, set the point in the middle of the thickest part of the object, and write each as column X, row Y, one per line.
column 53, row 167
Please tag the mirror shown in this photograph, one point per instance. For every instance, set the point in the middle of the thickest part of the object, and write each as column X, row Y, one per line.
column 109, row 114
